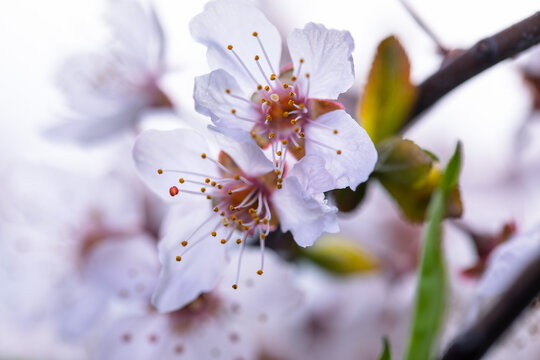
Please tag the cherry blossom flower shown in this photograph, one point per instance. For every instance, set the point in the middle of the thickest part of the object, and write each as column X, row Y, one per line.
column 222, row 323
column 291, row 111
column 223, row 202
column 108, row 91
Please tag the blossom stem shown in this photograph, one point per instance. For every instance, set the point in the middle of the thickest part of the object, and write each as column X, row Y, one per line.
column 484, row 54
column 473, row 343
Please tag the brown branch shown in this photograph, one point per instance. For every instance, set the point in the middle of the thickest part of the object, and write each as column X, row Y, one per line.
column 483, row 55
column 473, row 343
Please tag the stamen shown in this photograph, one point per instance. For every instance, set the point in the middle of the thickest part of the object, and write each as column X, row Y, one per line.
column 230, row 47
column 242, row 247
column 300, row 67
column 228, row 91
column 256, row 35
column 262, row 71
column 325, row 146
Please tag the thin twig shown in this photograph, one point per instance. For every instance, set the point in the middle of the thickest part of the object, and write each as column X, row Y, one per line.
column 473, row 343
column 483, row 55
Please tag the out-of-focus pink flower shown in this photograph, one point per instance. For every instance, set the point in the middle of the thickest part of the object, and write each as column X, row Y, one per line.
column 222, row 202
column 222, row 323
column 282, row 110
column 108, row 91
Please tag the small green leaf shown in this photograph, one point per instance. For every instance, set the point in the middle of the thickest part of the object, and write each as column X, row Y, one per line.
column 347, row 200
column 385, row 355
column 431, row 291
column 410, row 175
column 340, row 255
column 389, row 93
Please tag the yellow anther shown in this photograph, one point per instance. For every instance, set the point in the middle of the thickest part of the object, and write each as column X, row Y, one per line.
column 209, row 197
column 213, row 183
column 273, row 77
column 293, row 121
column 268, row 118
column 296, row 129
column 285, row 114
column 246, row 228
column 236, row 177
column 267, row 88
column 216, row 209
column 240, row 222
column 291, row 94
column 229, row 47
column 280, row 180
column 233, row 111
column 160, row 171
column 223, row 241
column 255, row 34
column 207, row 180
column 293, row 78
column 229, row 192
column 265, row 221
column 253, row 135
column 338, row 152
column 184, row 243
column 307, row 75
column 238, row 241
column 259, row 87
column 214, row 233
column 268, row 102
column 256, row 57
column 285, row 85
column 263, row 100
column 335, row 131
column 279, row 186
column 235, row 286
column 257, row 220
column 233, row 218
column 284, row 142
column 231, row 208
column 302, row 106
column 228, row 91
column 181, row 180
column 178, row 258
column 302, row 134
column 251, row 210
column 271, row 135
column 203, row 155
column 219, row 186
column 298, row 148
column 222, row 213
column 203, row 189
column 278, row 153
column 262, row 236
column 301, row 60
column 291, row 102
column 277, row 172
column 260, row 272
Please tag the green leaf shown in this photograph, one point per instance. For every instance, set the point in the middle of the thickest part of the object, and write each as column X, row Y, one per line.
column 340, row 255
column 385, row 355
column 389, row 93
column 431, row 291
column 347, row 200
column 410, row 174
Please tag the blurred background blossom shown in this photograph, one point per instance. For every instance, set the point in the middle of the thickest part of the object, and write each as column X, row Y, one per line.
column 79, row 231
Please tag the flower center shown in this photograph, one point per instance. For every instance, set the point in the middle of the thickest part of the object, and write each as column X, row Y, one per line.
column 284, row 110
column 240, row 204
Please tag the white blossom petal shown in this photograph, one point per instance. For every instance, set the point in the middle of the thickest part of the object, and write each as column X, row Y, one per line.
column 200, row 268
column 124, row 267
column 358, row 155
column 305, row 216
column 312, row 174
column 233, row 22
column 241, row 147
column 170, row 150
column 211, row 99
column 327, row 58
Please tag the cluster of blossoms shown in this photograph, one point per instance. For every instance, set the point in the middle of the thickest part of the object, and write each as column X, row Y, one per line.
column 283, row 141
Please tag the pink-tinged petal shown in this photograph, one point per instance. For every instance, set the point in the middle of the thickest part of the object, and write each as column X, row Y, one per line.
column 124, row 267
column 135, row 338
column 199, row 269
column 273, row 291
column 232, row 22
column 241, row 147
column 90, row 130
column 212, row 99
column 327, row 56
column 177, row 150
column 312, row 174
column 137, row 32
column 357, row 156
column 305, row 216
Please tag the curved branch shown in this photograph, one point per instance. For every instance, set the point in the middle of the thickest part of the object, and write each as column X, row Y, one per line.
column 483, row 55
